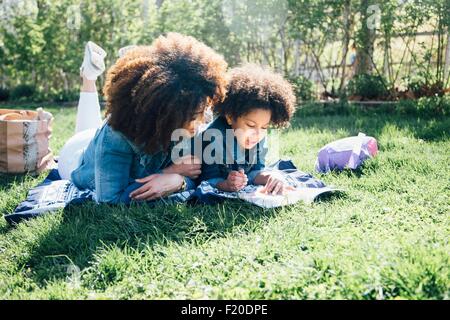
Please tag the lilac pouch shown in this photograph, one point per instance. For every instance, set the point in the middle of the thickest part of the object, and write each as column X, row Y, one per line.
column 348, row 153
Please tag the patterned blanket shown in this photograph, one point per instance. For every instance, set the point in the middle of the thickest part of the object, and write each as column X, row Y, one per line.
column 53, row 193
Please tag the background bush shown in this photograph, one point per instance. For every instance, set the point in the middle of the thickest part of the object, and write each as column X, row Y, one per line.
column 304, row 88
column 367, row 87
column 4, row 94
column 23, row 92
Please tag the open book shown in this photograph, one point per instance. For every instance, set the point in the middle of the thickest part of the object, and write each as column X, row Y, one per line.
column 306, row 188
column 305, row 194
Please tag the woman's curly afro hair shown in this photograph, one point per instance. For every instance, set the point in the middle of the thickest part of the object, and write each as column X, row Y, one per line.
column 253, row 87
column 153, row 90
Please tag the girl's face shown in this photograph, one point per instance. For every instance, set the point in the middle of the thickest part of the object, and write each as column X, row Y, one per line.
column 250, row 128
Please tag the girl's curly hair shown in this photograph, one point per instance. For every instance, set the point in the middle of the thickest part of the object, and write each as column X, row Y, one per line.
column 153, row 90
column 254, row 87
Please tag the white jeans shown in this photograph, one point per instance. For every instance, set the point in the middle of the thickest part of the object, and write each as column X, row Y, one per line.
column 88, row 121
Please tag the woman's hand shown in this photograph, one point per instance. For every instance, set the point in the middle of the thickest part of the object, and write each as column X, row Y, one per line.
column 276, row 184
column 188, row 166
column 236, row 181
column 157, row 186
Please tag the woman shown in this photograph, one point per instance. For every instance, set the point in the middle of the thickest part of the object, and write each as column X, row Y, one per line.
column 150, row 92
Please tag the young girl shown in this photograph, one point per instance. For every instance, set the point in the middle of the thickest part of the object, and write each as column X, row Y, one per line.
column 256, row 99
column 150, row 92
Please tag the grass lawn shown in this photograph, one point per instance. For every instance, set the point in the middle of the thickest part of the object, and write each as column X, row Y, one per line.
column 386, row 238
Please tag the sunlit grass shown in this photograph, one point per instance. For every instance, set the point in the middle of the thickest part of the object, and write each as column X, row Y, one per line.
column 386, row 238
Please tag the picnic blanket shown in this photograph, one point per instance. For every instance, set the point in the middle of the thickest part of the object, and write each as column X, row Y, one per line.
column 54, row 193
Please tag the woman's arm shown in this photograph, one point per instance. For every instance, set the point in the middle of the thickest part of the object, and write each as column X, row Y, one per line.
column 113, row 160
column 159, row 185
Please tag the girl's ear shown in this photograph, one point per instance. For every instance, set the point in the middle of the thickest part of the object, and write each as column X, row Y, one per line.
column 229, row 119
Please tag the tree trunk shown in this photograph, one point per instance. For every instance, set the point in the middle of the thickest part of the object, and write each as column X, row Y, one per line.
column 265, row 54
column 159, row 3
column 285, row 48
column 387, row 70
column 447, row 60
column 297, row 58
column 348, row 22
column 366, row 40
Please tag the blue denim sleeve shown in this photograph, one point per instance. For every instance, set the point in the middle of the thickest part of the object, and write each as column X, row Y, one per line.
column 260, row 163
column 214, row 181
column 212, row 174
column 190, row 184
column 253, row 174
column 113, row 160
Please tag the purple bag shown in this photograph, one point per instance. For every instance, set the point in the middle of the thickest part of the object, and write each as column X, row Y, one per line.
column 348, row 153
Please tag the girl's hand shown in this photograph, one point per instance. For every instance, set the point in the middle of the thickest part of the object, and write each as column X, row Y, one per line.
column 276, row 185
column 188, row 166
column 157, row 186
column 236, row 181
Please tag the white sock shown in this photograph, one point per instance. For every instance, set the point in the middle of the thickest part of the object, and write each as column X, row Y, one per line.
column 93, row 62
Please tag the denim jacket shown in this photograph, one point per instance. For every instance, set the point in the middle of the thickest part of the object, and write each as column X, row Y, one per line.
column 111, row 164
column 251, row 161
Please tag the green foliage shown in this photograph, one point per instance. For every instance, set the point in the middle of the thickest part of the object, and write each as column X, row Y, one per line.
column 415, row 85
column 65, row 96
column 309, row 16
column 421, row 87
column 23, row 92
column 304, row 88
column 367, row 86
column 29, row 93
column 44, row 46
column 4, row 94
column 426, row 106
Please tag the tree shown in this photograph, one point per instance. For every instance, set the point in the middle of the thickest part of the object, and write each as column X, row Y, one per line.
column 366, row 37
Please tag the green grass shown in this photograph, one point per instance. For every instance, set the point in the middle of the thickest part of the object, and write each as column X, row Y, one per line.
column 386, row 238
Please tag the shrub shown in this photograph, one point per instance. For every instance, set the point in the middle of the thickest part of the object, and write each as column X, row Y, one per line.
column 367, row 87
column 4, row 94
column 303, row 87
column 414, row 85
column 426, row 107
column 40, row 96
column 326, row 109
column 65, row 96
column 420, row 87
column 433, row 106
column 23, row 92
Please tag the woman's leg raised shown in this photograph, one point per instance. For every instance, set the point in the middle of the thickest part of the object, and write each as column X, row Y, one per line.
column 88, row 111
